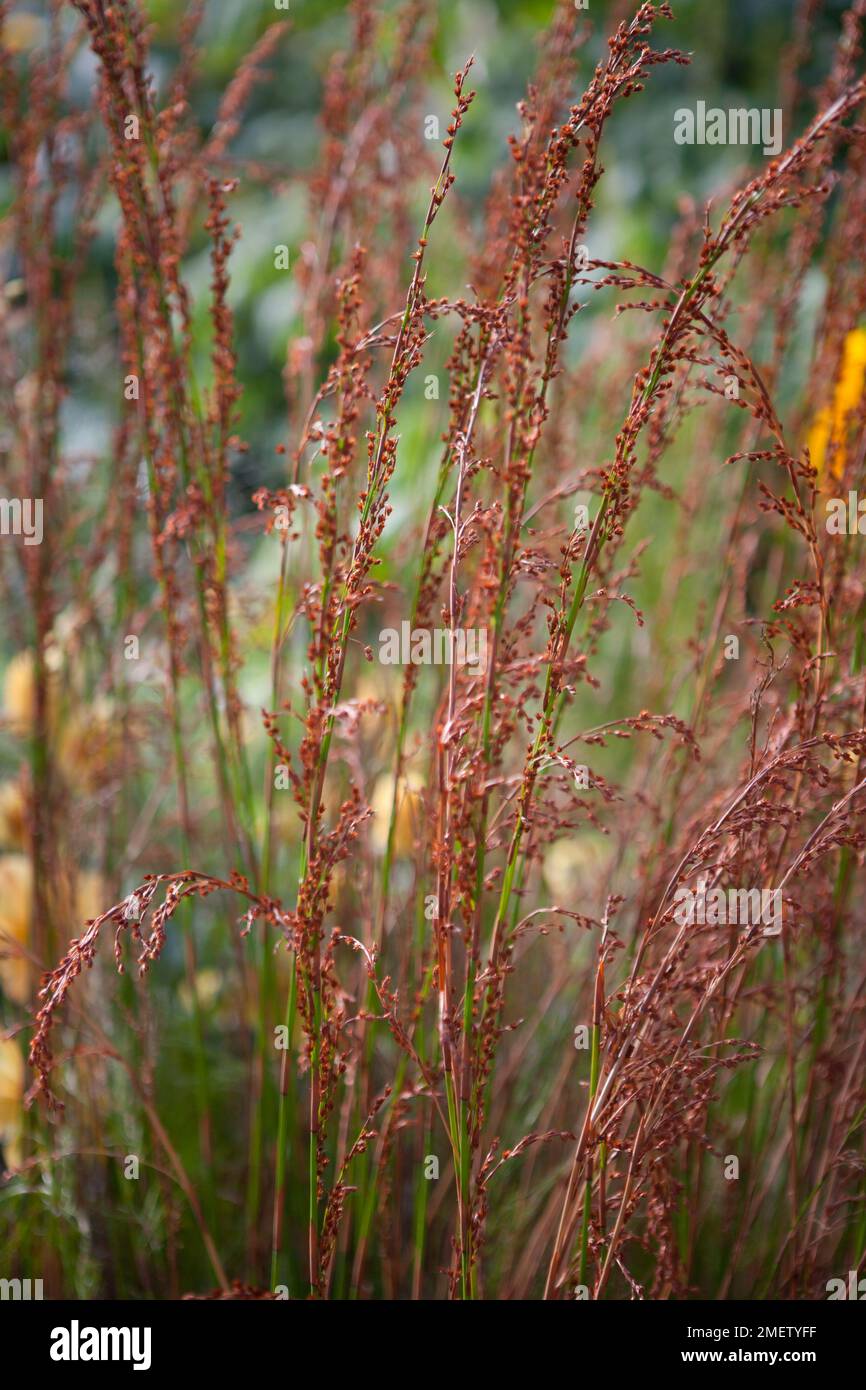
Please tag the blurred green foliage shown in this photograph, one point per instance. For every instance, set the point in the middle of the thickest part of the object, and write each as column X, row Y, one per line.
column 735, row 46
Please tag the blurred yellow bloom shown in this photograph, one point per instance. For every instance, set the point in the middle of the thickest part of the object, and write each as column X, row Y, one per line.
column 830, row 422
column 11, row 1099
column 22, row 31
column 410, row 812
column 16, row 913
column 88, row 746
column 13, row 816
column 19, row 692
column 572, row 868
column 16, row 919
column 208, row 984
column 89, row 899
column 378, row 684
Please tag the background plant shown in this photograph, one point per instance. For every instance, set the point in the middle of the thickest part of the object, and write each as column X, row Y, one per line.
column 360, row 911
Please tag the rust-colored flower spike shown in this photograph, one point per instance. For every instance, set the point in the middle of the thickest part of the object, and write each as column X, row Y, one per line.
column 528, row 947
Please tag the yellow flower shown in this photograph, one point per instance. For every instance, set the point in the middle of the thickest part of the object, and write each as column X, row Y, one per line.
column 16, row 919
column 410, row 812
column 379, row 690
column 22, row 32
column 571, row 868
column 13, row 816
column 16, row 913
column 11, row 1100
column 89, row 899
column 89, row 745
column 19, row 692
column 830, row 423
column 208, row 984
